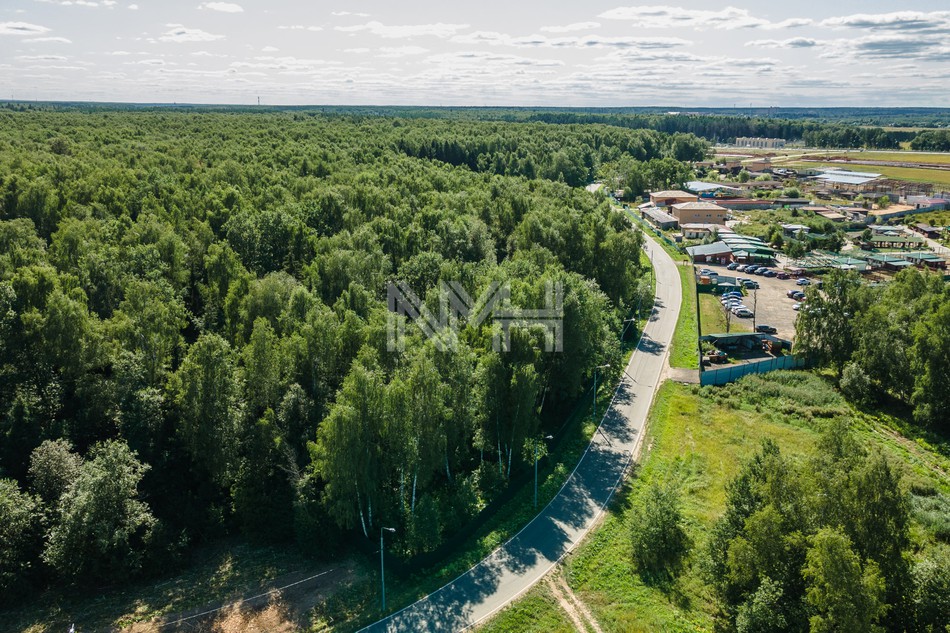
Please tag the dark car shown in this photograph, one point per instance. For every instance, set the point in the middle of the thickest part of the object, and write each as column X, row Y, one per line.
column 769, row 273
column 732, row 266
column 783, row 276
column 765, row 329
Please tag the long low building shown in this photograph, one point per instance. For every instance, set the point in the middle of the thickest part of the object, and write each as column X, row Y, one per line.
column 659, row 218
column 733, row 248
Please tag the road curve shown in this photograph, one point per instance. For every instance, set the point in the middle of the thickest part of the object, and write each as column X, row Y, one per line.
column 514, row 567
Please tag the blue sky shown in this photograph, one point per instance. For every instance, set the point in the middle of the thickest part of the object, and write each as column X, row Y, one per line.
column 487, row 52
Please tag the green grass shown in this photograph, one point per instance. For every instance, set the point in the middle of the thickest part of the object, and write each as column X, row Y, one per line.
column 934, row 218
column 712, row 317
column 684, row 350
column 699, row 438
column 538, row 612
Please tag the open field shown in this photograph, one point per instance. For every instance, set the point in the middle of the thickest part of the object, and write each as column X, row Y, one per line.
column 910, row 174
column 699, row 438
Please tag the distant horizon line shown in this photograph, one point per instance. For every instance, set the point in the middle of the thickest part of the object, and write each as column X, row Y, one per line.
column 670, row 109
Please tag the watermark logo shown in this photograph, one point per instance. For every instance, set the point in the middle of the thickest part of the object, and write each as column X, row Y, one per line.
column 456, row 307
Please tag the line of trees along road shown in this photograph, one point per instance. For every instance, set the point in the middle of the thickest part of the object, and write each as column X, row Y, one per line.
column 193, row 326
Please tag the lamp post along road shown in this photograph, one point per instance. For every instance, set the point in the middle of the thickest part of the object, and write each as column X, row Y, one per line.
column 382, row 569
column 536, row 444
column 595, row 388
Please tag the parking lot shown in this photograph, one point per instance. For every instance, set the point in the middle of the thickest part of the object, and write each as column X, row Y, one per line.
column 771, row 305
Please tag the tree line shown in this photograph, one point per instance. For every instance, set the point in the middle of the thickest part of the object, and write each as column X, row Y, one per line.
column 889, row 342
column 193, row 327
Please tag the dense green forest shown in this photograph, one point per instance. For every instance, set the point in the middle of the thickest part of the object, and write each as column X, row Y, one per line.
column 815, row 127
column 885, row 343
column 193, row 325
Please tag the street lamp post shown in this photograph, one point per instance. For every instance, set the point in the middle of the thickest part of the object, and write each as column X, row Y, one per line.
column 595, row 388
column 536, row 444
column 382, row 569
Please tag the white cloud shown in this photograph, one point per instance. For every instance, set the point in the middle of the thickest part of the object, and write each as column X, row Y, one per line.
column 81, row 3
column 223, row 7
column 207, row 54
column 665, row 17
column 343, row 13
column 133, row 7
column 569, row 28
column 21, row 28
column 392, row 52
column 179, row 33
column 300, row 27
column 574, row 41
column 61, row 40
column 896, row 21
column 794, row 42
column 269, row 49
column 358, row 51
column 41, row 58
column 405, row 31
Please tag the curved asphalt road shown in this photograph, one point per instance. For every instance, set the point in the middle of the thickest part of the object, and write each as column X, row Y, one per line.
column 513, row 568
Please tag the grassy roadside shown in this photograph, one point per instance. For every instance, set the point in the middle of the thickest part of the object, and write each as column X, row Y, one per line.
column 684, row 350
column 699, row 438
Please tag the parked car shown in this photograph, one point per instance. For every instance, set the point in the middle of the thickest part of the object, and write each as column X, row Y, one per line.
column 798, row 295
column 803, row 282
column 765, row 329
column 732, row 293
column 745, row 313
column 738, row 307
column 761, row 271
column 783, row 276
column 769, row 273
column 741, row 268
column 732, row 266
column 704, row 271
column 796, row 306
column 749, row 283
column 716, row 356
column 791, row 293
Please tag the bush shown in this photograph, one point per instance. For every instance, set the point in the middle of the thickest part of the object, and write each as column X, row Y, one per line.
column 660, row 542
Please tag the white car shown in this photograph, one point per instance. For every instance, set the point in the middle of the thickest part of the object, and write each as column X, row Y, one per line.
column 796, row 306
column 743, row 312
column 736, row 309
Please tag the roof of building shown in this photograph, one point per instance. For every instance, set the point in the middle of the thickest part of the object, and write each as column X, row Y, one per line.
column 716, row 248
column 844, row 177
column 925, row 257
column 796, row 227
column 659, row 216
column 896, row 239
column 698, row 186
column 702, row 226
column 832, row 215
column 698, row 206
column 674, row 193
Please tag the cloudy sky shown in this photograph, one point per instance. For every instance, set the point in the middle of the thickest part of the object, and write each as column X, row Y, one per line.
column 482, row 52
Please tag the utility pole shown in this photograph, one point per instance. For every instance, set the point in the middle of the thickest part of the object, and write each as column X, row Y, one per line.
column 536, row 444
column 382, row 569
column 595, row 388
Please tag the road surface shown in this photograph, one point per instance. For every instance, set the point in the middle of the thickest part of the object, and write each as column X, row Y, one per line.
column 514, row 567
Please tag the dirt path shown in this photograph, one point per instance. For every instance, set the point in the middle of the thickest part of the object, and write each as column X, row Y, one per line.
column 575, row 609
